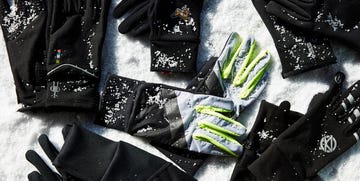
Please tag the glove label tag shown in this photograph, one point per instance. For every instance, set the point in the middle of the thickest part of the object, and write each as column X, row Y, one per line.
column 328, row 143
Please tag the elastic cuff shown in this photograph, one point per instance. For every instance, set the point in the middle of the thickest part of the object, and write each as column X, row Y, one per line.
column 172, row 56
column 117, row 101
column 273, row 165
column 57, row 97
column 295, row 70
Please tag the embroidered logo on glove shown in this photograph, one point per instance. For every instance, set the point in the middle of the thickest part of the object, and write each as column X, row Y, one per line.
column 328, row 143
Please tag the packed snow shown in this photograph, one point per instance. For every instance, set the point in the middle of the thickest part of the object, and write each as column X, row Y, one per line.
column 130, row 57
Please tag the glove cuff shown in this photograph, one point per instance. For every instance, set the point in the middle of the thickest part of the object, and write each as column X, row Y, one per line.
column 273, row 165
column 174, row 56
column 289, row 69
column 117, row 102
column 67, row 96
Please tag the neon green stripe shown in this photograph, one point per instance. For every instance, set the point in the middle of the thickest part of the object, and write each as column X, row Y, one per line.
column 228, row 64
column 250, row 87
column 245, row 64
column 220, row 130
column 225, row 73
column 240, row 78
column 201, row 108
column 201, row 137
column 213, row 111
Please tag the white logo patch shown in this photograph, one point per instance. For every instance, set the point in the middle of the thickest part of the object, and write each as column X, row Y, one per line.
column 55, row 89
column 328, row 143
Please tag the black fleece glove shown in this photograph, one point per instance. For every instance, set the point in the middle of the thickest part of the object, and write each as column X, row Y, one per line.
column 299, row 51
column 175, row 31
column 45, row 173
column 270, row 122
column 332, row 18
column 24, row 27
column 137, row 22
column 328, row 129
column 76, row 34
column 88, row 156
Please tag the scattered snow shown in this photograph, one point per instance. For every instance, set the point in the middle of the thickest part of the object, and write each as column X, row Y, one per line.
column 130, row 57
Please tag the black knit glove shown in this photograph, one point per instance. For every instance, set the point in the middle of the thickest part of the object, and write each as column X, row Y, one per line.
column 332, row 18
column 175, row 31
column 270, row 122
column 328, row 129
column 299, row 51
column 76, row 34
column 24, row 27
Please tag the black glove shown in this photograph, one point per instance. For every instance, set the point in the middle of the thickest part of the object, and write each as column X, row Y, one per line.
column 171, row 116
column 270, row 122
column 76, row 35
column 89, row 156
column 333, row 18
column 298, row 51
column 137, row 22
column 329, row 128
column 44, row 172
column 23, row 27
column 175, row 31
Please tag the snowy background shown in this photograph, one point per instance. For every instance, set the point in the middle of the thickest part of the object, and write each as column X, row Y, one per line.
column 131, row 57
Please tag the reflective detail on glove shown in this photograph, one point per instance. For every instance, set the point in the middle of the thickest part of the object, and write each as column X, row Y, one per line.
column 207, row 129
column 241, row 76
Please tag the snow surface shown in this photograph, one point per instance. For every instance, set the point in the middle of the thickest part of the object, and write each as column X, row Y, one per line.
column 131, row 57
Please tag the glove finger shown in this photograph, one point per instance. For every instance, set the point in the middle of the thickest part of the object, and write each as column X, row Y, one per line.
column 136, row 18
column 222, row 124
column 298, row 17
column 349, row 100
column 331, row 96
column 35, row 176
column 209, row 141
column 44, row 170
column 140, row 29
column 48, row 147
column 4, row 8
column 224, row 66
column 253, row 75
column 244, row 60
column 126, row 5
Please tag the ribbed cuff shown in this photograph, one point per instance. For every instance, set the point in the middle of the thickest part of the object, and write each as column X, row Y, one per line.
column 174, row 56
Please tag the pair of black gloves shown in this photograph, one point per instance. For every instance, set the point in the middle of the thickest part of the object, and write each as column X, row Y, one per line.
column 301, row 30
column 54, row 48
column 286, row 145
column 173, row 28
column 88, row 156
